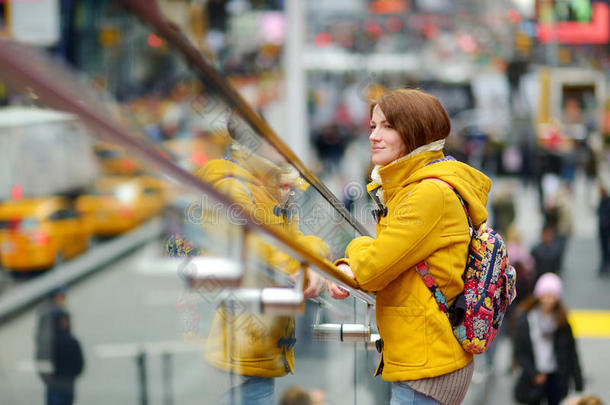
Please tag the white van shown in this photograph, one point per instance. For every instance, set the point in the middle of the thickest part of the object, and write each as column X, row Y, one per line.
column 43, row 152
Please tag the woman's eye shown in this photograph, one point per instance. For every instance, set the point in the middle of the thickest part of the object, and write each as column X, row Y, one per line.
column 372, row 127
column 388, row 126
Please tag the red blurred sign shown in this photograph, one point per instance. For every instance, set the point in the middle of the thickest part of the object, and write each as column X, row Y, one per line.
column 571, row 32
column 389, row 6
column 16, row 192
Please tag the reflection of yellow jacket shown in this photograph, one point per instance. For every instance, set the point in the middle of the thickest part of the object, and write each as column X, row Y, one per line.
column 256, row 345
column 425, row 221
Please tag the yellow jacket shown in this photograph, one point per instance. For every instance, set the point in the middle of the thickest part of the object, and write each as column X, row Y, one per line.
column 424, row 221
column 248, row 344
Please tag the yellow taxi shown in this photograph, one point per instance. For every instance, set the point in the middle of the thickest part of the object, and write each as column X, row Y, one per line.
column 37, row 233
column 117, row 203
column 113, row 160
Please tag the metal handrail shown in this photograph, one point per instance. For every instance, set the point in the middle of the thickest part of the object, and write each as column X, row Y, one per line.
column 149, row 11
column 55, row 87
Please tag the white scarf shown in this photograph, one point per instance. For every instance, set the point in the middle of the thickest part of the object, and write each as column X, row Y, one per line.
column 429, row 147
column 542, row 329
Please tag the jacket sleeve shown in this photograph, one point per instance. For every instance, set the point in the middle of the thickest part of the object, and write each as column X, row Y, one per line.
column 79, row 358
column 315, row 244
column 403, row 242
column 523, row 349
column 576, row 370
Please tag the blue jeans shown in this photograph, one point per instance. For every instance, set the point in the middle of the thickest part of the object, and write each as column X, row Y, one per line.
column 253, row 391
column 402, row 394
column 59, row 397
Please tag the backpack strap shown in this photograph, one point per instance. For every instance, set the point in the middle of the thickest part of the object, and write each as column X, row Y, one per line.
column 464, row 204
column 455, row 313
column 424, row 271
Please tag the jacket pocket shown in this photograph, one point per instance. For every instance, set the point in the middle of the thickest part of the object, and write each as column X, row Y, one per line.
column 403, row 330
column 253, row 338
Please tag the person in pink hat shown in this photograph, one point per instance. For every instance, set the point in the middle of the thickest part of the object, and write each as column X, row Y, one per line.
column 545, row 348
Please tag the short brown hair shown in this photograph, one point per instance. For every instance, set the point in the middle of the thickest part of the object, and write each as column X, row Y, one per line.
column 418, row 117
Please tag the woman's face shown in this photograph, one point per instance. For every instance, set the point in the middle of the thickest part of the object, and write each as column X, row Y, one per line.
column 548, row 302
column 386, row 143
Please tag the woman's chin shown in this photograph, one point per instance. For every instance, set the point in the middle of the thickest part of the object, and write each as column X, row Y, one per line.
column 380, row 162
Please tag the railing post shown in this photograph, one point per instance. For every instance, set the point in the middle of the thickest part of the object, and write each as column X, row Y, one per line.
column 168, row 394
column 141, row 362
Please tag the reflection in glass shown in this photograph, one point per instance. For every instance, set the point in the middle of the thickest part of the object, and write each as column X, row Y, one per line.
column 147, row 306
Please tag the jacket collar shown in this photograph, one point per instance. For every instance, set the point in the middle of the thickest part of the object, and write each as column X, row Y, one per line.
column 432, row 146
column 395, row 175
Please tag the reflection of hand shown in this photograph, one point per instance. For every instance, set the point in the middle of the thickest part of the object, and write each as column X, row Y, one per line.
column 315, row 285
column 540, row 379
column 337, row 292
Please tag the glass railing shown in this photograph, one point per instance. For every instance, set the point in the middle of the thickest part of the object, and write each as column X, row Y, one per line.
column 206, row 242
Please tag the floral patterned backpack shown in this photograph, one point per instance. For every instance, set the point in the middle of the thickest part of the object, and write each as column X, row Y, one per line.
column 489, row 288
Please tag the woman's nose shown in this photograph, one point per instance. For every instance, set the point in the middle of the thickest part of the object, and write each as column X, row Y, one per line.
column 374, row 136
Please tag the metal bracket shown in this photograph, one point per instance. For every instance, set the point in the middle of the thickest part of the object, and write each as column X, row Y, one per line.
column 268, row 301
column 343, row 332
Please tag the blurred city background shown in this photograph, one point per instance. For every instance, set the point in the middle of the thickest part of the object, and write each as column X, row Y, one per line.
column 525, row 82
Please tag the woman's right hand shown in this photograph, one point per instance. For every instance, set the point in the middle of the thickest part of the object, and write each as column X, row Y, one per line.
column 336, row 291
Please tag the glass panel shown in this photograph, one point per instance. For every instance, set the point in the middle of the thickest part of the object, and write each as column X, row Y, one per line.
column 189, row 301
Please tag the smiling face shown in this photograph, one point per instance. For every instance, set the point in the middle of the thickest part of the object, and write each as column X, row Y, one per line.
column 386, row 143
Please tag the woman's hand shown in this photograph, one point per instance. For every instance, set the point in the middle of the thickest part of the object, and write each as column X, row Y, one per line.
column 540, row 379
column 338, row 292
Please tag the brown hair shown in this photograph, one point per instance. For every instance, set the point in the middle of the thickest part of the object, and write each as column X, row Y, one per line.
column 590, row 400
column 295, row 396
column 559, row 312
column 418, row 117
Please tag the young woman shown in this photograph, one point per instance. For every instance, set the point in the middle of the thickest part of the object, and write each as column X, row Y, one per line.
column 544, row 347
column 420, row 218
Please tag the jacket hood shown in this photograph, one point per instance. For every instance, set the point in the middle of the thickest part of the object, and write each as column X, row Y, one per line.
column 247, row 167
column 218, row 169
column 472, row 185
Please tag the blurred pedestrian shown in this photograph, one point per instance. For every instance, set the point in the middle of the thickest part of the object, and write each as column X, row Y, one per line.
column 523, row 262
column 545, row 348
column 558, row 210
column 419, row 218
column 330, row 142
column 45, row 331
column 503, row 209
column 603, row 215
column 548, row 253
column 64, row 357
